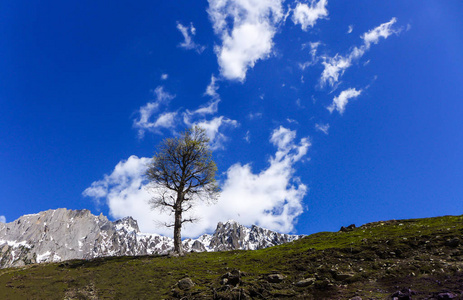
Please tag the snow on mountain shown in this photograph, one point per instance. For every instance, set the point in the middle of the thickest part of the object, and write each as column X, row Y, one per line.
column 61, row 234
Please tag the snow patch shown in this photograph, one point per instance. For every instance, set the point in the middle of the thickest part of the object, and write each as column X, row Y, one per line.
column 43, row 257
column 15, row 244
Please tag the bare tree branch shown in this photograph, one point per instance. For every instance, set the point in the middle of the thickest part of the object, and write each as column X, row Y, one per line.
column 183, row 172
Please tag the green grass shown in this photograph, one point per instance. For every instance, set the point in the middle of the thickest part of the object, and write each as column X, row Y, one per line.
column 380, row 257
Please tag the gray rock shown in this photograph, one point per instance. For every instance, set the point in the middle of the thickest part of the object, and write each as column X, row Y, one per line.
column 275, row 278
column 444, row 296
column 343, row 276
column 185, row 284
column 232, row 278
column 405, row 294
column 305, row 282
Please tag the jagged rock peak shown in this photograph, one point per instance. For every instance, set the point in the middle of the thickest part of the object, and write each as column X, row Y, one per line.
column 62, row 234
column 128, row 223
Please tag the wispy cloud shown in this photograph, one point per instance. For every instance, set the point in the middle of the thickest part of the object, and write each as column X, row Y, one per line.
column 148, row 119
column 208, row 109
column 247, row 137
column 307, row 14
column 382, row 31
column 340, row 102
column 2, row 219
column 165, row 120
column 211, row 89
column 313, row 53
column 334, row 67
column 271, row 198
column 188, row 33
column 350, row 29
column 292, row 121
column 322, row 127
column 255, row 116
column 164, row 76
column 246, row 28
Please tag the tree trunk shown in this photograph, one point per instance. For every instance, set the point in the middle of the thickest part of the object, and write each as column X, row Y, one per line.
column 178, row 248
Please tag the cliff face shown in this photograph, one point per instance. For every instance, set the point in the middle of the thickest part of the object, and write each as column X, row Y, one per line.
column 61, row 234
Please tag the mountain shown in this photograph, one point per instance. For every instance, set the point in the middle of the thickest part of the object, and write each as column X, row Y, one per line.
column 61, row 234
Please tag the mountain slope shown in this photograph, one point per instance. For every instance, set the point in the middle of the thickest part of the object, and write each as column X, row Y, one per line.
column 61, row 234
column 407, row 259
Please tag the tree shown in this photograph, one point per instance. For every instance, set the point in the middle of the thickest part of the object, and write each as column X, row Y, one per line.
column 181, row 173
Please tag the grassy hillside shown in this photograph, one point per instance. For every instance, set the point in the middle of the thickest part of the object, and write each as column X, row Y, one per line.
column 419, row 259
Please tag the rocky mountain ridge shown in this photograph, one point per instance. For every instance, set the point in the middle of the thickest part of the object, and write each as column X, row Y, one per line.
column 62, row 234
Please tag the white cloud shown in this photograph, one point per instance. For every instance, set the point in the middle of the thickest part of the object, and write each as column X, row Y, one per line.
column 165, row 120
column 282, row 138
column 340, row 102
column 384, row 30
column 292, row 121
column 271, row 198
column 307, row 14
column 211, row 89
column 162, row 96
column 213, row 128
column 208, row 109
column 188, row 33
column 322, row 127
column 2, row 219
column 125, row 193
column 164, row 76
column 122, row 184
column 335, row 66
column 350, row 29
column 246, row 28
column 146, row 113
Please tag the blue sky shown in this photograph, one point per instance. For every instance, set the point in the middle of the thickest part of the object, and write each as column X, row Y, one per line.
column 320, row 113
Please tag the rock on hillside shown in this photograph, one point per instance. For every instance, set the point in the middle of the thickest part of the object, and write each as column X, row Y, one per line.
column 61, row 234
